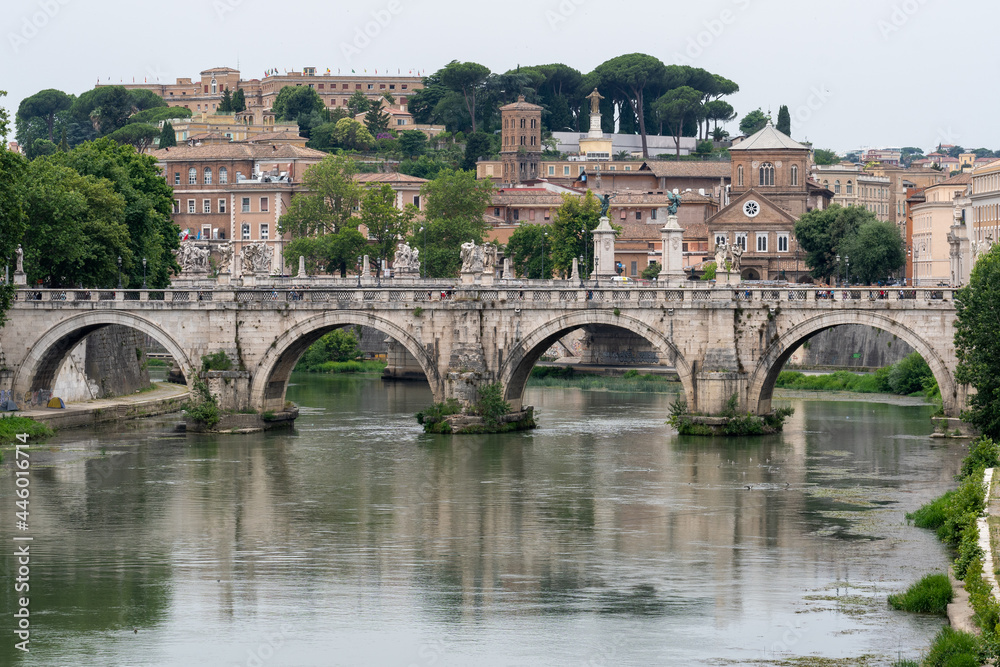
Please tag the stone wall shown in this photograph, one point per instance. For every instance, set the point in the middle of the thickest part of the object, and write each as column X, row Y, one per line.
column 851, row 346
column 109, row 362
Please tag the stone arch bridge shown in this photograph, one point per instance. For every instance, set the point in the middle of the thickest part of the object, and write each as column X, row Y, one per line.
column 721, row 341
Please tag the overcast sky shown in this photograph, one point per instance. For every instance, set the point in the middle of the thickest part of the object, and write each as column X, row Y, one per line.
column 854, row 73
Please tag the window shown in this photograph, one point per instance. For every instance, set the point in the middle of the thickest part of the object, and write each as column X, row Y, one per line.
column 581, row 169
column 392, row 86
column 721, row 238
column 762, row 242
column 566, row 171
column 532, row 123
column 836, row 187
column 741, row 240
column 416, row 200
column 177, row 178
column 522, row 123
column 850, row 188
column 611, row 168
column 206, row 231
column 638, row 215
column 264, row 231
column 552, row 170
column 190, row 206
column 403, row 87
column 634, row 268
column 321, row 86
column 177, row 206
column 628, row 167
column 343, row 86
column 766, row 174
column 652, row 214
column 381, row 86
column 206, row 205
column 531, row 215
column 782, row 242
column 223, row 175
column 371, row 86
column 192, row 176
column 739, row 175
column 222, row 206
column 496, row 212
column 246, row 204
column 795, row 174
column 263, row 204
column 208, row 175
column 246, row 231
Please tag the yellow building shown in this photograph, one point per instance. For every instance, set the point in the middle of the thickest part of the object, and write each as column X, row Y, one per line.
column 255, row 126
column 932, row 222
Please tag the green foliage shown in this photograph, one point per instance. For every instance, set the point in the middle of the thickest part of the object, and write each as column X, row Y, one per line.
column 11, row 427
column 167, row 137
column 823, row 156
column 933, row 514
column 340, row 345
column 708, row 270
column 432, row 418
column 333, row 196
column 570, row 234
column 876, row 251
column 293, row 101
column 154, row 116
column 239, row 101
column 824, row 234
column 753, row 122
column 629, row 79
column 910, row 375
column 953, row 648
column 361, row 366
column 491, row 406
column 931, row 595
column 376, row 120
column 217, row 361
column 13, row 220
column 358, row 103
column 984, row 453
column 385, row 223
column 977, row 344
column 204, row 407
column 651, row 271
column 468, row 80
column 478, row 145
column 330, row 253
column 527, row 249
column 784, row 121
column 138, row 135
column 412, row 143
column 44, row 105
column 674, row 108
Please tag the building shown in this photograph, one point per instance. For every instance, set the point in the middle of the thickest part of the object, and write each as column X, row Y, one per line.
column 335, row 90
column 400, row 119
column 985, row 203
column 258, row 125
column 521, row 141
column 932, row 221
column 885, row 156
column 570, row 142
column 407, row 187
column 851, row 186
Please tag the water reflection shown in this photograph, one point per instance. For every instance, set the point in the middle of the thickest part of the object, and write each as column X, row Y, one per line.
column 600, row 537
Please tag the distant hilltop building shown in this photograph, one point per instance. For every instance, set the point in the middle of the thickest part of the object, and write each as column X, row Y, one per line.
column 205, row 94
column 888, row 156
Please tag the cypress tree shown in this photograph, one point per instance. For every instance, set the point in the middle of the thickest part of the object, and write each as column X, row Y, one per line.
column 784, row 120
column 167, row 136
column 239, row 102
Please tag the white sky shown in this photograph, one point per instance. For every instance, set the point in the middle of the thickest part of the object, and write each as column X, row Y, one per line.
column 855, row 73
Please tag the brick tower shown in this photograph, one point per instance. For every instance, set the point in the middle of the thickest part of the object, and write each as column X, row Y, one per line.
column 521, row 150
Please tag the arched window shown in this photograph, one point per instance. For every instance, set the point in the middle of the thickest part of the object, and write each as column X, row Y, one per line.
column 208, row 175
column 795, row 174
column 223, row 175
column 214, row 86
column 850, row 188
column 766, row 174
column 192, row 176
column 532, row 123
column 739, row 175
column 836, row 187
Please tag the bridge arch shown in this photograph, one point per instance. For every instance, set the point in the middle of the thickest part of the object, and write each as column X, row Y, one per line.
column 516, row 369
column 40, row 366
column 270, row 377
column 770, row 363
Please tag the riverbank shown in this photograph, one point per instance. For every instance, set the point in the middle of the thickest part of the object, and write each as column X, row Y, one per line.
column 165, row 397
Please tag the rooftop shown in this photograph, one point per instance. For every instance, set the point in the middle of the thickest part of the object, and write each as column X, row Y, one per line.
column 238, row 151
column 769, row 138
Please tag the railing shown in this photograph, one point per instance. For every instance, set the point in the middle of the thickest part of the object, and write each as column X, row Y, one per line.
column 542, row 296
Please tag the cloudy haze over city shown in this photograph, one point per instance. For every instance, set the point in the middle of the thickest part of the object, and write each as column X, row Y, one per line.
column 854, row 74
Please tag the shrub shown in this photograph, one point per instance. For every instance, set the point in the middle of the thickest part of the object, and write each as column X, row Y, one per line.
column 11, row 427
column 432, row 418
column 631, row 374
column 933, row 514
column 984, row 453
column 491, row 406
column 218, row 361
column 930, row 595
column 952, row 648
column 964, row 507
column 907, row 376
column 206, row 409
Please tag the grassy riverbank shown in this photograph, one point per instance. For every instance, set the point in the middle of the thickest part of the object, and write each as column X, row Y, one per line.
column 11, row 427
column 631, row 381
column 911, row 376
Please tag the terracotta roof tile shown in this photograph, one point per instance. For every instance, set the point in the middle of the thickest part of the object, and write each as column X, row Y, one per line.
column 673, row 169
column 237, row 151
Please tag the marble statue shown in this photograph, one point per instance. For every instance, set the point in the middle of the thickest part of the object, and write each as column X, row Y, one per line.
column 472, row 258
column 256, row 258
column 489, row 258
column 225, row 256
column 720, row 256
column 406, row 259
column 736, row 252
column 192, row 258
column 19, row 267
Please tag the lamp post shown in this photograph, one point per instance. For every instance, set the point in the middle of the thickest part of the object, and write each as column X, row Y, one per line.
column 143, row 273
column 847, row 260
column 378, row 272
column 586, row 254
column 359, row 270
column 423, row 271
column 119, row 271
column 581, row 272
column 840, row 270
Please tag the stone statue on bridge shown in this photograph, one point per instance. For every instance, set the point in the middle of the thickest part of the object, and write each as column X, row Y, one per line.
column 980, row 248
column 19, row 266
column 192, row 258
column 489, row 258
column 406, row 260
column 225, row 257
column 675, row 200
column 472, row 258
column 605, row 204
column 736, row 252
column 720, row 256
column 256, row 258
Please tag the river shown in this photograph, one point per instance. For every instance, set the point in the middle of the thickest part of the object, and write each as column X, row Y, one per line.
column 601, row 538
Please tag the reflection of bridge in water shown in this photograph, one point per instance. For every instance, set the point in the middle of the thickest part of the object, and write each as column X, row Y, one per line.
column 721, row 341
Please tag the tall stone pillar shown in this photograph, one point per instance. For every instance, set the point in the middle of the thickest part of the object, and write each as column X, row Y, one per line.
column 604, row 250
column 672, row 271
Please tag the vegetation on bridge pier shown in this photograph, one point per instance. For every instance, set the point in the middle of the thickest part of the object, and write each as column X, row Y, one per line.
column 491, row 414
column 731, row 422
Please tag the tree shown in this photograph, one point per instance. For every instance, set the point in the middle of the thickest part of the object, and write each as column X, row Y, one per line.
column 376, row 120
column 330, row 253
column 753, row 122
column 412, row 143
column 294, row 101
column 477, row 145
column 148, row 205
column 528, row 251
column 977, row 345
column 167, row 137
column 352, row 135
column 329, row 203
column 466, row 79
column 784, row 120
column 13, row 221
column 77, row 229
column 455, row 203
column 239, row 102
column 138, row 135
column 140, row 99
column 631, row 77
column 226, row 105
column 708, row 270
column 719, row 111
column 651, row 271
column 358, row 104
column 571, row 231
column 876, row 251
column 386, row 224
column 106, row 109
column 675, row 107
column 45, row 104
column 823, row 156
column 41, row 147
column 824, row 234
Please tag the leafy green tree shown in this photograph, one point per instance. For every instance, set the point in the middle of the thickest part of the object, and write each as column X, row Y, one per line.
column 708, row 270
column 528, row 251
column 294, row 101
column 377, row 120
column 719, row 111
column 352, row 135
column 63, row 144
column 426, row 166
column 167, row 137
column 631, row 77
column 876, row 251
column 42, row 147
column 477, row 145
column 140, row 99
column 45, row 104
column 239, row 102
column 977, row 344
column 412, row 143
column 386, row 224
column 331, row 253
column 358, row 104
column 226, row 105
column 466, row 79
column 453, row 215
column 138, row 135
column 784, row 120
column 77, row 229
column 823, row 156
column 148, row 205
column 753, row 122
column 106, row 108
column 827, row 233
column 651, row 271
column 571, row 235
column 338, row 345
column 329, row 203
column 13, row 221
column 675, row 107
